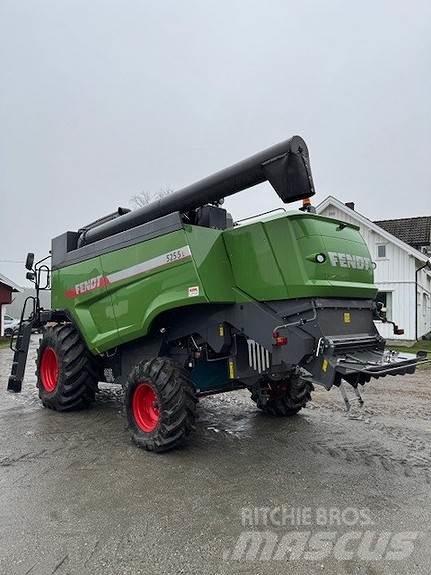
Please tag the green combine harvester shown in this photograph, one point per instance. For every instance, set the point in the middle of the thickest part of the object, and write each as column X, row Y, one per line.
column 174, row 302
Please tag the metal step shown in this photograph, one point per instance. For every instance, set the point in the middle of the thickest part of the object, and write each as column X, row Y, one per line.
column 14, row 385
column 20, row 356
column 347, row 401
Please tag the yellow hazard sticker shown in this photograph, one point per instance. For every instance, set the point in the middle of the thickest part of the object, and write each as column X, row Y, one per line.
column 347, row 317
column 325, row 365
column 232, row 370
column 221, row 330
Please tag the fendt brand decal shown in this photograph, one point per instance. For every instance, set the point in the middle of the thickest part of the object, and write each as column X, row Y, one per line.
column 341, row 260
column 100, row 281
column 87, row 285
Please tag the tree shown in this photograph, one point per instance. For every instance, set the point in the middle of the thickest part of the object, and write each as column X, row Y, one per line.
column 144, row 198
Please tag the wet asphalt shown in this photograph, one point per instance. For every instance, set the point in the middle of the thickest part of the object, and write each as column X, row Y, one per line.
column 77, row 497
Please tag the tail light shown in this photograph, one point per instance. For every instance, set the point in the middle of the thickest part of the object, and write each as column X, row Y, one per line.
column 279, row 340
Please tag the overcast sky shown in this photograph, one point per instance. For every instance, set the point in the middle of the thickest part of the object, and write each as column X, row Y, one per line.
column 102, row 99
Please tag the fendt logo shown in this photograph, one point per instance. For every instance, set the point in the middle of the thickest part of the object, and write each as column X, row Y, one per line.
column 87, row 286
column 341, row 260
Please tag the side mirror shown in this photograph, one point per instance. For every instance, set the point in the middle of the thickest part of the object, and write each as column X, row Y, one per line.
column 29, row 261
column 30, row 276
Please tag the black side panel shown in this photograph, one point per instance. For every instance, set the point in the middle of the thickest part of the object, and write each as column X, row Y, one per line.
column 329, row 339
column 65, row 254
column 61, row 246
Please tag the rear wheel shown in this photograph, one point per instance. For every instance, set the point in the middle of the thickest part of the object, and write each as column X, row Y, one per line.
column 284, row 398
column 160, row 402
column 66, row 372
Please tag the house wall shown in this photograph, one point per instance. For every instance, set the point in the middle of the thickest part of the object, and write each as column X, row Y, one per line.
column 5, row 297
column 424, row 303
column 15, row 307
column 395, row 275
column 5, row 294
column 2, row 320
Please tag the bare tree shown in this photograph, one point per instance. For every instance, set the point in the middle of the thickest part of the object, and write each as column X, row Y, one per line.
column 144, row 198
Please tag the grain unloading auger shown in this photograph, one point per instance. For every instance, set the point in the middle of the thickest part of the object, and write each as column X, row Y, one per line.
column 174, row 302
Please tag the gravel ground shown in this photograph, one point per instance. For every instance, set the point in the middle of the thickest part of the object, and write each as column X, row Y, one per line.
column 77, row 497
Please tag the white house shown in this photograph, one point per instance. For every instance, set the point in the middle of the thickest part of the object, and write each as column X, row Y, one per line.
column 15, row 307
column 401, row 250
column 7, row 288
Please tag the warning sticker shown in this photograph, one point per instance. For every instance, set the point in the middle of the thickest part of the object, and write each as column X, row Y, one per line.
column 347, row 317
column 193, row 291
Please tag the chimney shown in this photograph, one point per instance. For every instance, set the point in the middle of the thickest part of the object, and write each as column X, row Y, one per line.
column 350, row 205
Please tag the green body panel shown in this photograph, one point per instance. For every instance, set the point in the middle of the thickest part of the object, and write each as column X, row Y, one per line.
column 212, row 263
column 124, row 309
column 138, row 299
column 275, row 259
column 272, row 259
column 92, row 312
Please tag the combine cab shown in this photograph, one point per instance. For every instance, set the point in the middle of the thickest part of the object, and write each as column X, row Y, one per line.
column 174, row 302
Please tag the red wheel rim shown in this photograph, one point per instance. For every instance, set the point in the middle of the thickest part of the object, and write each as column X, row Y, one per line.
column 144, row 407
column 49, row 369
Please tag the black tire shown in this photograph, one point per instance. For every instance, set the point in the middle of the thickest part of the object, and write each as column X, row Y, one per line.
column 76, row 380
column 173, row 412
column 286, row 398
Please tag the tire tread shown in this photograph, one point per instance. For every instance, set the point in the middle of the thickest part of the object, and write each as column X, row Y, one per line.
column 297, row 394
column 78, row 372
column 177, row 398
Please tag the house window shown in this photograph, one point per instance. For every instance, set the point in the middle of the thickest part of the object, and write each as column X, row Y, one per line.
column 425, row 303
column 385, row 297
column 381, row 251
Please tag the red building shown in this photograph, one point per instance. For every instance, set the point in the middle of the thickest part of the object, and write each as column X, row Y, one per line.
column 7, row 288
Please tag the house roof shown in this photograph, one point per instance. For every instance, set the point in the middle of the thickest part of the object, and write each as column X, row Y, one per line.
column 373, row 226
column 9, row 283
column 413, row 231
